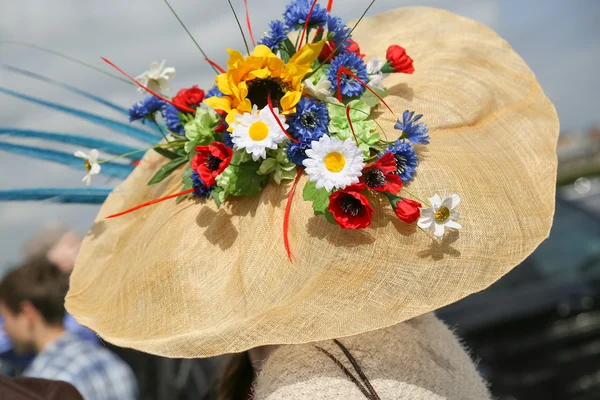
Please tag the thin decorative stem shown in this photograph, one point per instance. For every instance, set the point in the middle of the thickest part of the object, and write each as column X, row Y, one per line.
column 179, row 106
column 286, row 218
column 270, row 104
column 249, row 24
column 75, row 60
column 188, row 32
column 239, row 25
column 306, row 25
column 342, row 42
column 346, row 372
column 412, row 195
column 357, row 368
column 149, row 203
column 350, row 123
column 140, row 150
column 160, row 130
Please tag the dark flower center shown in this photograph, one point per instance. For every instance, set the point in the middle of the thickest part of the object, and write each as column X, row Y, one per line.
column 375, row 178
column 259, row 90
column 351, row 205
column 400, row 163
column 309, row 120
column 213, row 162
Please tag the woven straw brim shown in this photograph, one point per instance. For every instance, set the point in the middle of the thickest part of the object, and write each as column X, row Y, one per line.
column 192, row 280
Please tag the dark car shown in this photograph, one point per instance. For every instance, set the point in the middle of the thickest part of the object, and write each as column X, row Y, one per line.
column 536, row 331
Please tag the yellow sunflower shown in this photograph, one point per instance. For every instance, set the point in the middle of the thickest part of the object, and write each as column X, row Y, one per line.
column 249, row 80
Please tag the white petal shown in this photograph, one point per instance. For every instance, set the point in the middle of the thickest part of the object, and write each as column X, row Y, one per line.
column 435, row 201
column 425, row 222
column 87, row 179
column 95, row 170
column 94, row 154
column 455, row 201
column 169, row 73
column 81, row 154
column 452, row 224
column 438, row 230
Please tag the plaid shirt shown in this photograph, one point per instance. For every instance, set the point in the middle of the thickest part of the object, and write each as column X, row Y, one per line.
column 94, row 371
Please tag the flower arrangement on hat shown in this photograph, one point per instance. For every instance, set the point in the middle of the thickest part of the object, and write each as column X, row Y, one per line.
column 289, row 108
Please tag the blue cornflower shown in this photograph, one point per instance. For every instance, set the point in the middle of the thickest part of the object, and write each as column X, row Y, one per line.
column 310, row 120
column 414, row 132
column 349, row 86
column 277, row 34
column 339, row 31
column 200, row 188
column 171, row 116
column 214, row 92
column 406, row 159
column 145, row 108
column 297, row 11
column 227, row 138
column 296, row 152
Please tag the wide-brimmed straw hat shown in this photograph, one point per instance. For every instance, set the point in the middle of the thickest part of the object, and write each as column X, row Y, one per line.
column 194, row 280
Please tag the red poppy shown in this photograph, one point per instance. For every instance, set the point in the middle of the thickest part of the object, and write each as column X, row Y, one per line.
column 191, row 97
column 330, row 46
column 210, row 161
column 407, row 210
column 354, row 48
column 350, row 208
column 381, row 175
column 399, row 60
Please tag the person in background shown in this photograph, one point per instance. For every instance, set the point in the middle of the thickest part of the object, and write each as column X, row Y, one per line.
column 32, row 305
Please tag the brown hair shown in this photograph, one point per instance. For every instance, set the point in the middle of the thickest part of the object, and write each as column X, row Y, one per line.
column 235, row 382
column 42, row 284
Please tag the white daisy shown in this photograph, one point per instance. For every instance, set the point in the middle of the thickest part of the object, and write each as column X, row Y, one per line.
column 333, row 163
column 156, row 78
column 440, row 215
column 258, row 131
column 91, row 164
column 319, row 91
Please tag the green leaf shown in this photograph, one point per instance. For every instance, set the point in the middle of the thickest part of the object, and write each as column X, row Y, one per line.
column 319, row 36
column 287, row 50
column 370, row 99
column 201, row 130
column 166, row 153
column 319, row 197
column 186, row 180
column 167, row 169
column 267, row 166
column 219, row 195
column 245, row 180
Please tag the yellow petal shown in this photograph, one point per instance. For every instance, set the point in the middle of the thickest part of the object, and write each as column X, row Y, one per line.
column 260, row 73
column 223, row 84
column 219, row 103
column 262, row 51
column 308, row 53
column 289, row 101
column 243, row 90
column 235, row 57
column 276, row 65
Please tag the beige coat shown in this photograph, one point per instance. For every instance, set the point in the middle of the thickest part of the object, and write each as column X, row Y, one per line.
column 420, row 359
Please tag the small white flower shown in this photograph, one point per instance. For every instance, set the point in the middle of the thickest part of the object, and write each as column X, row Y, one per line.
column 440, row 215
column 91, row 164
column 156, row 78
column 319, row 91
column 258, row 131
column 376, row 77
column 333, row 163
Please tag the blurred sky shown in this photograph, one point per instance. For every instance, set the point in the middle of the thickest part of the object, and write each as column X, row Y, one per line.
column 558, row 39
